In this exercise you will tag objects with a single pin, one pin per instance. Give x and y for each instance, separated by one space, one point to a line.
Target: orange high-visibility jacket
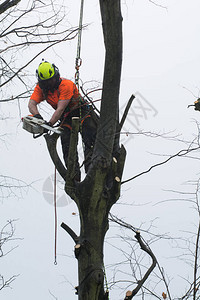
67 90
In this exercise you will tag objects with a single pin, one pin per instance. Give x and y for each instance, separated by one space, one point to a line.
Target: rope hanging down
55 218
78 61
78 55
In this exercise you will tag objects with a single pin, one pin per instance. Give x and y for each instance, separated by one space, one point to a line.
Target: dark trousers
88 130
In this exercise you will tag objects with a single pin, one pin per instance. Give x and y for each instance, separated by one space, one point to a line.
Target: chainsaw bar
38 126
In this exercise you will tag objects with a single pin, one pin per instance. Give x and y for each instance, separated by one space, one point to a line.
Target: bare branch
7 4
157 4
145 248
6 283
181 153
67 37
10 186
70 232
51 141
6 236
196 256
126 112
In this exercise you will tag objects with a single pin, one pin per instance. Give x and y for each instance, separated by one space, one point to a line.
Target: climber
63 95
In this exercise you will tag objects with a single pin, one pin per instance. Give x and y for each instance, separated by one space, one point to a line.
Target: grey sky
161 62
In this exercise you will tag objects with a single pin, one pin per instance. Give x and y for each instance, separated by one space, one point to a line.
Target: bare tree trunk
94 198
101 187
109 118
100 190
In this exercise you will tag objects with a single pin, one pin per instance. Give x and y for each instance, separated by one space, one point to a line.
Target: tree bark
100 189
109 117
94 198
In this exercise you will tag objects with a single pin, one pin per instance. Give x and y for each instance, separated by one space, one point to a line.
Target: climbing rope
55 219
78 61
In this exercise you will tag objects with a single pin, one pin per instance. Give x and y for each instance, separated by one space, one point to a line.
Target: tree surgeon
63 95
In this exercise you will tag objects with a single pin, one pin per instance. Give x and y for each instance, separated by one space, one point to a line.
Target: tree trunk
100 190
96 194
109 117
94 198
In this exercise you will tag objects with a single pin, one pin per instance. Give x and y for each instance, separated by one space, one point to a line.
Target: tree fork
100 189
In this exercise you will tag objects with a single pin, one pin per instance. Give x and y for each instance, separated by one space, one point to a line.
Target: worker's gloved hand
38 116
49 124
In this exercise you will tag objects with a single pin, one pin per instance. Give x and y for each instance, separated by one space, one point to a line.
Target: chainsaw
38 126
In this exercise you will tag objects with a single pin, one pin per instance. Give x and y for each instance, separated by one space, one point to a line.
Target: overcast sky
161 62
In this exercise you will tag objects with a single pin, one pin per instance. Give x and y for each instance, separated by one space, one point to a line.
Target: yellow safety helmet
45 71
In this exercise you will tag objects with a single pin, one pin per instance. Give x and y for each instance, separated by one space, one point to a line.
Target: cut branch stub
117 179
115 160
77 250
128 294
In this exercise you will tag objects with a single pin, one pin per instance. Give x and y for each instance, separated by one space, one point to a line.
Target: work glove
38 116
49 124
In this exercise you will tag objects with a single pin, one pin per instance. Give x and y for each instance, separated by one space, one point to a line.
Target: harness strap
67 125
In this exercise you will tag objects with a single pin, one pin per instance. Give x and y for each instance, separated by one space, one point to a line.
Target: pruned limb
70 232
121 161
51 141
77 250
144 247
126 112
7 4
